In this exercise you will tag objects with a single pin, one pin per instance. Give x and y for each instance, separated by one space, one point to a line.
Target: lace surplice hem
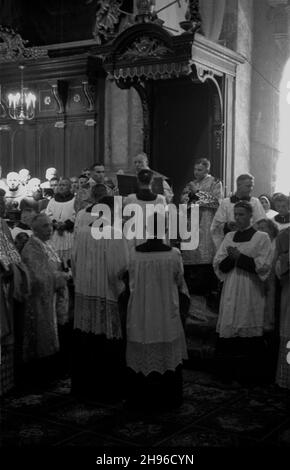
156 357
97 315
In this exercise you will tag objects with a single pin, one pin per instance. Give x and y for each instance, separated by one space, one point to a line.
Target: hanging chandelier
21 105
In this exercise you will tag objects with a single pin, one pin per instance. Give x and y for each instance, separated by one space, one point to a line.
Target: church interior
176 80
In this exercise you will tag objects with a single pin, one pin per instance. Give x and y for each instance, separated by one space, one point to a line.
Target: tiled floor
213 415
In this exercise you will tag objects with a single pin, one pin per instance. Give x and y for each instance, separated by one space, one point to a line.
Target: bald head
42 227
51 173
13 180
141 162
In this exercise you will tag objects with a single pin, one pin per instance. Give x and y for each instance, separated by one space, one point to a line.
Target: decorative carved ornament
148 51
89 95
107 17
12 47
192 17
155 72
145 47
204 74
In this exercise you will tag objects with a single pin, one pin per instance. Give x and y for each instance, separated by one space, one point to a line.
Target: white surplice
242 304
155 336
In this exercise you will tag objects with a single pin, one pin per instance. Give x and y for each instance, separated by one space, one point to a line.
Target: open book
128 184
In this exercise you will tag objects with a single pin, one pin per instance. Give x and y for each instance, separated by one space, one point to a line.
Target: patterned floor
214 415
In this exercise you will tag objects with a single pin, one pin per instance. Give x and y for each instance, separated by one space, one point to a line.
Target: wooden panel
50 148
58 135
24 148
5 151
79 147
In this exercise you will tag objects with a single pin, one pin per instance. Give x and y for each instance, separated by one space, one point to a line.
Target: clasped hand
233 252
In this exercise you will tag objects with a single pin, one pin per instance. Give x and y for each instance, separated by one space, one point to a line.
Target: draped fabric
97 268
212 16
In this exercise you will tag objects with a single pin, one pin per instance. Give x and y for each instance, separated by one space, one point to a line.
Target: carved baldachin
146 48
12 47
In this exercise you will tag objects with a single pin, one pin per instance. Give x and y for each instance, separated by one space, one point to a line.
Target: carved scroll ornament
145 47
12 47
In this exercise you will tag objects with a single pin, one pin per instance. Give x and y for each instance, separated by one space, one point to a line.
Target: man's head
98 191
86 172
243 212
51 173
64 186
98 172
269 227
83 181
33 185
74 184
20 240
141 162
54 184
201 168
281 204
13 181
27 216
24 176
245 185
145 178
42 227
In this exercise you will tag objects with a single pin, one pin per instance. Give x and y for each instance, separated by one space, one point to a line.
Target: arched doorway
187 123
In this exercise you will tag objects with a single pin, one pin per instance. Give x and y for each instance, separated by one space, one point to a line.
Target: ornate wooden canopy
148 51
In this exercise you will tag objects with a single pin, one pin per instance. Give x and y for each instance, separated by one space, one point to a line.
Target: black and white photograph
144 232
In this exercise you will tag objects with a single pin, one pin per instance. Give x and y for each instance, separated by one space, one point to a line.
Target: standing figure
74 184
98 177
98 266
156 345
15 192
24 176
3 183
243 262
282 271
49 175
61 212
9 258
143 199
265 200
281 203
141 163
41 340
224 220
206 191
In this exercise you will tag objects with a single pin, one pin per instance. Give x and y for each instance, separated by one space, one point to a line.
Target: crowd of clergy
112 312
